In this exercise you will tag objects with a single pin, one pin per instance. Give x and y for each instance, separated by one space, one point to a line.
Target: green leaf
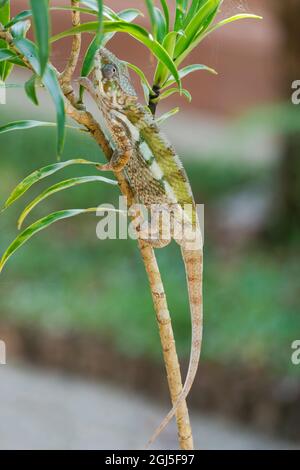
170 92
3 3
40 174
31 90
87 11
189 69
40 15
140 73
166 13
144 82
161 25
134 30
151 11
24 15
128 15
21 125
92 49
161 72
206 31
90 4
4 12
5 66
36 227
242 16
10 56
28 49
51 83
6 54
181 9
19 30
167 115
198 24
193 9
62 185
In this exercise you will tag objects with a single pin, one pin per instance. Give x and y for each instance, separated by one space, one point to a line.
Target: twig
66 77
168 344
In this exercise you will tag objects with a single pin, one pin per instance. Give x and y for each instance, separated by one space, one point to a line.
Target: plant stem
168 344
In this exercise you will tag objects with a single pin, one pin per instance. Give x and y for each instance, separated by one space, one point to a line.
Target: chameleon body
157 179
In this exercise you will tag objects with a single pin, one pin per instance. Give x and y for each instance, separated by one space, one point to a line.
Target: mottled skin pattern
156 176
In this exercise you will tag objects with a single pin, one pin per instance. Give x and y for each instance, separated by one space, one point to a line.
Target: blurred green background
67 279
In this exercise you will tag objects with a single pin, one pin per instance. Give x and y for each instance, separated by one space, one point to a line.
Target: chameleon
157 179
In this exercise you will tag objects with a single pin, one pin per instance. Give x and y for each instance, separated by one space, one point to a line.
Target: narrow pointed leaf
62 185
134 30
6 54
19 30
21 125
128 15
198 24
31 90
161 25
24 15
166 13
151 12
93 47
36 227
28 49
140 73
90 4
170 92
193 9
206 31
40 174
162 72
189 69
40 15
5 66
167 115
242 16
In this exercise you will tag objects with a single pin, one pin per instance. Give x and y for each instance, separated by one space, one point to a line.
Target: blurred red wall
246 55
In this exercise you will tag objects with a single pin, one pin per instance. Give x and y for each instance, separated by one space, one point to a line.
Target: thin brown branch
168 344
67 74
9 39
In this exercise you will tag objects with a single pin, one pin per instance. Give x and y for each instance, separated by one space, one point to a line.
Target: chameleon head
111 76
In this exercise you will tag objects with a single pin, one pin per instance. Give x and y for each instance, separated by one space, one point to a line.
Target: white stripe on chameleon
132 129
156 170
146 151
169 191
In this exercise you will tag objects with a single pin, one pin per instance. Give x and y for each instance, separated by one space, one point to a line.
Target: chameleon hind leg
156 233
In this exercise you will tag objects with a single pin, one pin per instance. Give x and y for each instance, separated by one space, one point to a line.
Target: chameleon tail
193 260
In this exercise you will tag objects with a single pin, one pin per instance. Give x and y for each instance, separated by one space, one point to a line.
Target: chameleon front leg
124 146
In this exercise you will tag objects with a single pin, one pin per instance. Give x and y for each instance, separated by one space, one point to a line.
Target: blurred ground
43 410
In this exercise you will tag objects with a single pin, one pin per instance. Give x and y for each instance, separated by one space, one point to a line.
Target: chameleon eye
109 71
